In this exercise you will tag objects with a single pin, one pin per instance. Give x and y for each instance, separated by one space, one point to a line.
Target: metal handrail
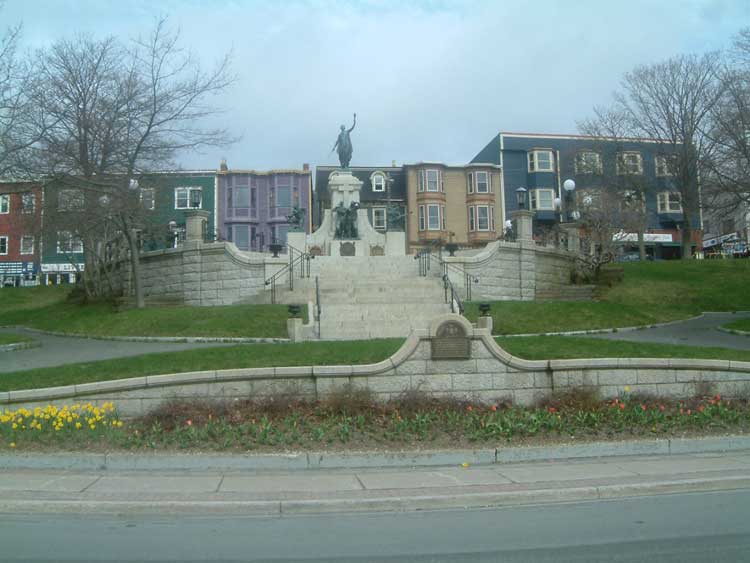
469 279
303 259
423 256
317 304
455 300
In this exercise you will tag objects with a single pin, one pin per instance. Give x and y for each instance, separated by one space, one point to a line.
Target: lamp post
521 197
569 186
571 226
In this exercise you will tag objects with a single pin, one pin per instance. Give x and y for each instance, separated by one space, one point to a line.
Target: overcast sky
429 80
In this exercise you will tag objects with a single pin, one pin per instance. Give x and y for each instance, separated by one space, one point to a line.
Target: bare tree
120 111
727 175
672 102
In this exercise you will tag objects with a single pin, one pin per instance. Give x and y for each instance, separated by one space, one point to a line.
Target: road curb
123 461
20 346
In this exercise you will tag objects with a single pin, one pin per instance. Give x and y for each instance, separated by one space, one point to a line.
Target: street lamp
521 197
570 185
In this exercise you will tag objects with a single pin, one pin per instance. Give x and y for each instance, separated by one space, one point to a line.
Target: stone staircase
369 297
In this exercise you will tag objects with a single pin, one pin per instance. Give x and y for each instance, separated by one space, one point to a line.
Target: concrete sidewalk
377 489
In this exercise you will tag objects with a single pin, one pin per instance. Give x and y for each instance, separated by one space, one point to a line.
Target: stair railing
296 257
469 279
317 304
451 296
425 254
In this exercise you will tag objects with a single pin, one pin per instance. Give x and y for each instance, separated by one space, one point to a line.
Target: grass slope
13 339
651 292
46 308
741 324
244 356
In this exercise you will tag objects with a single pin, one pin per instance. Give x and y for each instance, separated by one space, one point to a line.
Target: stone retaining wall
513 270
489 374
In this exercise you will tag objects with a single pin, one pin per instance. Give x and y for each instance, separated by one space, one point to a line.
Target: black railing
423 257
451 296
447 267
296 258
317 304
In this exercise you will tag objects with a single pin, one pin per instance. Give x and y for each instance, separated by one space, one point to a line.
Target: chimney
223 166
306 167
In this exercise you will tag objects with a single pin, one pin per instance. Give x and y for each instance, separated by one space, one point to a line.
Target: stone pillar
523 220
195 225
572 232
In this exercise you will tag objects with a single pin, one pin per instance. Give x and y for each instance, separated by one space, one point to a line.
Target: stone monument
346 221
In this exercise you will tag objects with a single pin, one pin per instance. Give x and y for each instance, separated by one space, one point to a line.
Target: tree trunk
135 268
641 245
687 236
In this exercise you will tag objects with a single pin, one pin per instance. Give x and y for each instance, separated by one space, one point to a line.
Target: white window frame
422 218
384 224
479 218
535 199
74 242
584 166
188 191
4 204
153 197
472 219
427 180
429 217
21 247
661 165
623 166
24 199
6 241
470 183
442 218
664 204
378 179
533 160
487 184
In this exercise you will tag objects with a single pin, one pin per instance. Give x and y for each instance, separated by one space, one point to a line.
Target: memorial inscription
451 342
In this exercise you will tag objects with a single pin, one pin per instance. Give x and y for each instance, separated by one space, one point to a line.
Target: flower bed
353 420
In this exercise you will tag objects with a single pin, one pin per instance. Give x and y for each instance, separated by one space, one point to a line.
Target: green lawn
243 356
571 347
741 324
46 308
651 292
13 339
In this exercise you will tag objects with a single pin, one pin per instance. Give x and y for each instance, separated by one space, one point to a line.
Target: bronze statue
296 219
344 144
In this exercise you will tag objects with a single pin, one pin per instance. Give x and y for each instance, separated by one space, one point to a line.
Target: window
433 180
241 237
68 243
629 163
543 199
470 183
70 200
4 203
472 225
378 182
665 165
188 198
378 218
27 244
483 218
283 196
588 162
28 202
540 161
442 217
3 245
670 202
632 200
482 182
433 217
421 218
147 198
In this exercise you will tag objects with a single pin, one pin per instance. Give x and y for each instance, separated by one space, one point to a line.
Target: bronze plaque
347 249
377 250
315 251
451 342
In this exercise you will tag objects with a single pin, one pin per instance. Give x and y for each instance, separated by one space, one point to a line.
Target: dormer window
588 162
378 182
540 161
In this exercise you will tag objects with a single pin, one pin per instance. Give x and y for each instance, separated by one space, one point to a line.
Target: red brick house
20 228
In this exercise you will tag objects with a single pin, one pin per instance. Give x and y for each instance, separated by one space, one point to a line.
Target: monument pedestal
344 188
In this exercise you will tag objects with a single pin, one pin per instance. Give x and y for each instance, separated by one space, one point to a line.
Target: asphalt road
59 350
702 331
688 527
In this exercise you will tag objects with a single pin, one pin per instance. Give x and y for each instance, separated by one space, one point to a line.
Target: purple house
254 205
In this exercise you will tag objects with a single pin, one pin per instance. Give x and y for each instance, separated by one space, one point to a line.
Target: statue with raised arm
344 144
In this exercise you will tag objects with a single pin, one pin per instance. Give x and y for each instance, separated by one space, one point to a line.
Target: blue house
541 164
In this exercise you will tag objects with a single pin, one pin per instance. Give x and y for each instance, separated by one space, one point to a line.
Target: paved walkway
312 491
60 350
702 331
